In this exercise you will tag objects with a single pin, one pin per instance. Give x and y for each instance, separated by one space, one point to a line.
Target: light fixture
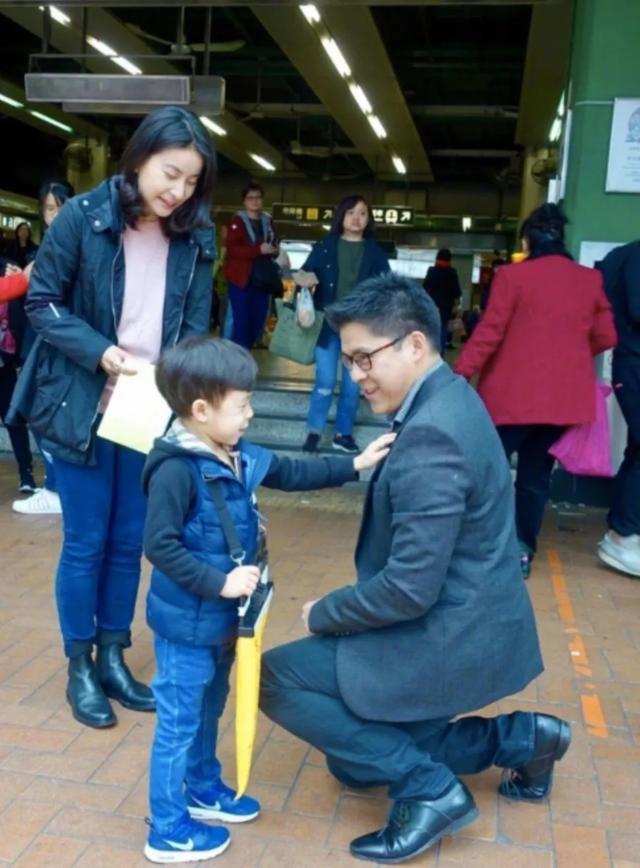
556 130
262 162
51 121
57 15
399 166
361 98
125 64
337 57
12 102
467 223
101 46
310 12
212 126
561 105
326 227
376 124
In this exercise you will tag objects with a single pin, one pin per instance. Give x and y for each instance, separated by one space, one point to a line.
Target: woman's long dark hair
544 231
347 204
169 127
59 188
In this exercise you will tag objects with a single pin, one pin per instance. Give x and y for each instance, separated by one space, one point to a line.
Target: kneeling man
439 622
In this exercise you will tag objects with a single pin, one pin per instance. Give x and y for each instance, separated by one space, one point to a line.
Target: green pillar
605 64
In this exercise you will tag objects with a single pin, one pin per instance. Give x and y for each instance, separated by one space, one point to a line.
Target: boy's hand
306 612
241 582
374 453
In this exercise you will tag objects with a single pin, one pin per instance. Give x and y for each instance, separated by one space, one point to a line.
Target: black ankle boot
89 705
118 682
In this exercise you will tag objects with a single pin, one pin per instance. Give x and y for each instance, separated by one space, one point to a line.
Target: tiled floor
74 796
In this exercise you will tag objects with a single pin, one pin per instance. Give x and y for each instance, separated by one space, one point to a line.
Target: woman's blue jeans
327 359
103 512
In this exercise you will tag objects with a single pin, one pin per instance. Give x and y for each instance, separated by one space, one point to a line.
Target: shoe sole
611 561
168 857
562 746
210 814
128 704
470 817
339 448
87 722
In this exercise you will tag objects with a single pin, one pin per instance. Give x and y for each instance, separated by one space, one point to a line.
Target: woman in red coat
533 349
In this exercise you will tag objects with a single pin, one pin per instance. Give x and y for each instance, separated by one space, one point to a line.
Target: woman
45 501
124 271
249 267
533 348
335 265
22 249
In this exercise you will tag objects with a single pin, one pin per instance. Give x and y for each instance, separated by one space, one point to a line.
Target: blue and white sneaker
190 842
220 803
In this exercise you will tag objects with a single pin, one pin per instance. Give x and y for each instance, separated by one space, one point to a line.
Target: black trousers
420 759
533 478
18 434
624 516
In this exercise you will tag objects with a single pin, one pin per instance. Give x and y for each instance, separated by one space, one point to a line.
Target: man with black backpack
620 547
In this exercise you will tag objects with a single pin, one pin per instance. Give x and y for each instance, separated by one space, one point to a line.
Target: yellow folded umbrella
253 619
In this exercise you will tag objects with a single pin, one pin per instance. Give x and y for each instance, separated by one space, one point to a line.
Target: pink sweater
146 249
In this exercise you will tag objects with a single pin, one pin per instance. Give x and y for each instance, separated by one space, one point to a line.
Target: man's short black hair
252 187
203 367
389 305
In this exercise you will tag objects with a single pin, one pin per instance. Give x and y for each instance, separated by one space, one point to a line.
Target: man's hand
241 582
306 611
10 269
115 361
374 453
268 249
306 279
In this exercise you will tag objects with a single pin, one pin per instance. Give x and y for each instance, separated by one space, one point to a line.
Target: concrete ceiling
241 140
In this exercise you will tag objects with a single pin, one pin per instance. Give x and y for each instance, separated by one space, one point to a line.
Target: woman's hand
27 271
115 361
306 279
268 249
374 453
10 269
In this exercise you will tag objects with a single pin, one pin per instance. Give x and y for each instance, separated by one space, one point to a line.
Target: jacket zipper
85 445
184 300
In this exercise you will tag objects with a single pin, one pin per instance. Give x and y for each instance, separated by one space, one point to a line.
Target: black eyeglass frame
364 360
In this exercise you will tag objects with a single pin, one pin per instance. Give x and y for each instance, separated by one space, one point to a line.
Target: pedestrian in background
442 284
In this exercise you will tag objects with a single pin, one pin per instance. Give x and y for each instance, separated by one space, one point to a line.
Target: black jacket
440 619
444 288
74 303
621 272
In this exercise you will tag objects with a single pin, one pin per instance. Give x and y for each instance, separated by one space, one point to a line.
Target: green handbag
290 340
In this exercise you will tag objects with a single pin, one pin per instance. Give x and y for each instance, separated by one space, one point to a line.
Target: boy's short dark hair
252 187
389 305
203 367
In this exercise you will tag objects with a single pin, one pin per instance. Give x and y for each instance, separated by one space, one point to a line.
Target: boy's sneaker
43 502
190 842
311 443
27 483
220 803
623 555
345 443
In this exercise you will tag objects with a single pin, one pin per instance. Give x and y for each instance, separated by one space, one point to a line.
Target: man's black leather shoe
532 781
118 682
89 705
414 825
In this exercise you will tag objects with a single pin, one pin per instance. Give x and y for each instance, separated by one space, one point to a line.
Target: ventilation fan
188 48
78 157
544 169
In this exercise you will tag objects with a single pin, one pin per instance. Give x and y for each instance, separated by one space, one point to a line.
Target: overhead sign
385 215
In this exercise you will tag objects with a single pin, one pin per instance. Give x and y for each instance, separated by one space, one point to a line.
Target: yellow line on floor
591 705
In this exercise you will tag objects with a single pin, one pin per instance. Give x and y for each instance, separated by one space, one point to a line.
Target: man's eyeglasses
365 360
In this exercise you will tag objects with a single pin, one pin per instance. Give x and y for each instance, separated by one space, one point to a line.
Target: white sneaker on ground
623 555
43 502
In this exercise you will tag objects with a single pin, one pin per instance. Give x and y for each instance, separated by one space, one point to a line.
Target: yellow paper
137 413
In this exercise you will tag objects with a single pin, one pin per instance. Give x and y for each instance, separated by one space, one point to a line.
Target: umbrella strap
238 554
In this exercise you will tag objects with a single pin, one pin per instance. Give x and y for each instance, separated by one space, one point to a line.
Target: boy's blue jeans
190 687
327 359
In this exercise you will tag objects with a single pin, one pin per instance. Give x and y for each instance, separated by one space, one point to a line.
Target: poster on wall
623 170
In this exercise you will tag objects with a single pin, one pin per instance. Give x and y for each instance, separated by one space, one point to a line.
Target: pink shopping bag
585 450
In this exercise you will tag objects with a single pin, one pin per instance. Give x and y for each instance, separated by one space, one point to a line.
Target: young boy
193 598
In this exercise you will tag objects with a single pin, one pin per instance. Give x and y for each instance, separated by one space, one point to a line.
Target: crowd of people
420 636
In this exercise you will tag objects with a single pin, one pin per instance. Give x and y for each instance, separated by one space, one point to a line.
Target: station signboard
385 215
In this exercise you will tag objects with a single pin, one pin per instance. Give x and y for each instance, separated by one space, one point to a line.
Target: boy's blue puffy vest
175 613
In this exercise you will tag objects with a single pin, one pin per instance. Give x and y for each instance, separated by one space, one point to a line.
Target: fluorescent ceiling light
399 166
125 64
12 102
310 12
57 15
556 130
378 129
361 98
561 105
467 223
326 227
101 46
51 121
262 162
212 126
337 57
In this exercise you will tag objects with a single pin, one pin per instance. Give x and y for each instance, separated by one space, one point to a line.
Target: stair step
275 429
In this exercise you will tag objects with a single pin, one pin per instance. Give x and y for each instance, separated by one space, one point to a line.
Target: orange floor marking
591 705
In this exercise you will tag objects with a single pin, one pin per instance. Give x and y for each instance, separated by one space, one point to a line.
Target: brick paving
74 796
